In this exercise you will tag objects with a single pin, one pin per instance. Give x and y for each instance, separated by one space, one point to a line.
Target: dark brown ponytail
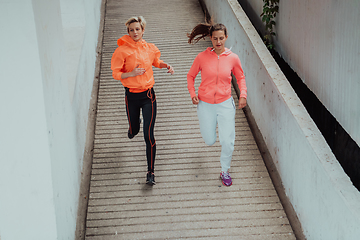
203 30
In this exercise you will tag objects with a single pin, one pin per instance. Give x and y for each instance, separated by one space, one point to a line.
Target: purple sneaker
226 179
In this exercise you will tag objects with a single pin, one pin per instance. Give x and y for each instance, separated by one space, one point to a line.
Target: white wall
319 39
26 192
326 202
46 77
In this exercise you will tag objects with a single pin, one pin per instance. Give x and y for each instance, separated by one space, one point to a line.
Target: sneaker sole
151 183
224 183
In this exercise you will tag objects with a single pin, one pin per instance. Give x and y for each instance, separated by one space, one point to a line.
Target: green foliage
270 9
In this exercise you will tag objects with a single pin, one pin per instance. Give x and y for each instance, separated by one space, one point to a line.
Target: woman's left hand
242 103
171 69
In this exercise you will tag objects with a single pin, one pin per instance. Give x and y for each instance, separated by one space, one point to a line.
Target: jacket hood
227 51
127 40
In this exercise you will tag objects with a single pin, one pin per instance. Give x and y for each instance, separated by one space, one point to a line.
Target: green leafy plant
270 9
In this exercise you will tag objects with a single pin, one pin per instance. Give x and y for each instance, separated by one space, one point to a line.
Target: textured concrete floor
188 200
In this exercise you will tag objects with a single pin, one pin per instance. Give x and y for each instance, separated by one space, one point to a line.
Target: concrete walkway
188 200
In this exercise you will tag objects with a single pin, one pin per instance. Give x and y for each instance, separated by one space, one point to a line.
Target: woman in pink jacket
215 105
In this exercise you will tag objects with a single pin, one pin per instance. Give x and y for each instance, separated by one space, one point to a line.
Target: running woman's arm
169 67
240 77
193 72
136 72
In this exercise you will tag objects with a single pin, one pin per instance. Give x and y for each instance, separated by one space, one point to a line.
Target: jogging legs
226 124
147 102
223 115
149 116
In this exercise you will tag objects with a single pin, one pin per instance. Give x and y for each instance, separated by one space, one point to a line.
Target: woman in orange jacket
132 63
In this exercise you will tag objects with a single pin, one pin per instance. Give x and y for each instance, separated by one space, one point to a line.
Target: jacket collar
226 52
127 40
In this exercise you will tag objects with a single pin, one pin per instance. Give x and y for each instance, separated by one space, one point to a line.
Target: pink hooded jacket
215 86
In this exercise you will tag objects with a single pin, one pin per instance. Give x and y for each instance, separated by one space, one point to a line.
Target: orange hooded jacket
131 54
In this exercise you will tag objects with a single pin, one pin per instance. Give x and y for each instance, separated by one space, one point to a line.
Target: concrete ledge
321 193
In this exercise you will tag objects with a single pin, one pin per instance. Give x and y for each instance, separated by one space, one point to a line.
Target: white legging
222 114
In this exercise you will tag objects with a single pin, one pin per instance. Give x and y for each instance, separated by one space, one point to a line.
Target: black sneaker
150 179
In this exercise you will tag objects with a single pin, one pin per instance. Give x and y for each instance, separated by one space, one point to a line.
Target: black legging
147 101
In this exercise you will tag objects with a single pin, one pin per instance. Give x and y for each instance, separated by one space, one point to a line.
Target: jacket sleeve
117 64
240 77
157 54
193 72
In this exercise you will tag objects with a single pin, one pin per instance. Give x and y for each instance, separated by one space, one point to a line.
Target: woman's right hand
138 71
195 100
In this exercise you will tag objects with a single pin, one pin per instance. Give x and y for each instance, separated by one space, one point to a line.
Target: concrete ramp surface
189 200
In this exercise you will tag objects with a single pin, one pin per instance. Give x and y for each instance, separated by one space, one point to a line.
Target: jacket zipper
217 78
